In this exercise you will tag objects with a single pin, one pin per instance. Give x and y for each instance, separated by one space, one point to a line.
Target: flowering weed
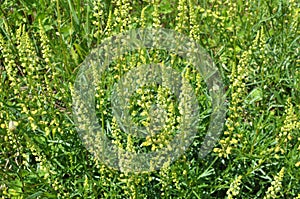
254 44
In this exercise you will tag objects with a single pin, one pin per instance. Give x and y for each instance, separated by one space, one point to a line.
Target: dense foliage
254 44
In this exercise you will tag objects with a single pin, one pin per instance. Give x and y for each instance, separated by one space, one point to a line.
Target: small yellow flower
234 188
2 126
276 185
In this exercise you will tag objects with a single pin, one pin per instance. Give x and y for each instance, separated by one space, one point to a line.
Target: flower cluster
143 18
9 63
159 122
182 19
288 132
165 179
27 55
234 188
98 15
238 92
276 185
122 15
155 14
194 25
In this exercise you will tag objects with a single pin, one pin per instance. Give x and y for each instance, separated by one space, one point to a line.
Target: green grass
254 44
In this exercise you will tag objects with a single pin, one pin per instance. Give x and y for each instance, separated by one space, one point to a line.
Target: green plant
254 44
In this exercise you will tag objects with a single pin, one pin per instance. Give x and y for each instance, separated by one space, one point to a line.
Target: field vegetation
254 45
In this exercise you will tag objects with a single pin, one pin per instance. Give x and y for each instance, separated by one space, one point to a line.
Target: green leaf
35 195
255 95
